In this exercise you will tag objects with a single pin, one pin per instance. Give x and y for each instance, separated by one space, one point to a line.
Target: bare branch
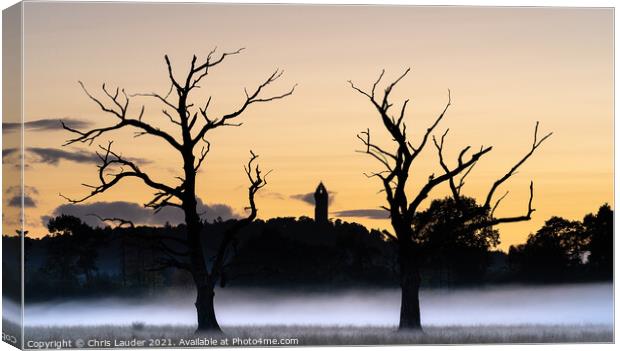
514 168
110 160
208 63
434 181
459 187
203 154
257 181
403 157
496 221
429 130
250 99
370 96
203 69
375 151
442 163
497 202
121 221
385 104
171 75
374 86
160 200
165 112
163 99
120 113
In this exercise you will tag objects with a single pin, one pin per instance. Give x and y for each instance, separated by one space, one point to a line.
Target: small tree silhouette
73 252
397 164
193 123
599 229
554 252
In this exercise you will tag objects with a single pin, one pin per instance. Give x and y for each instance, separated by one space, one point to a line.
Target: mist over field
10 310
577 304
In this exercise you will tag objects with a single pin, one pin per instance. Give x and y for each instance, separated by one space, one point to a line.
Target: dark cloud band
53 156
16 201
364 213
45 125
137 213
309 197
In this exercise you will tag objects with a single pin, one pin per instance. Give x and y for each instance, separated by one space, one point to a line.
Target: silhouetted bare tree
397 163
193 122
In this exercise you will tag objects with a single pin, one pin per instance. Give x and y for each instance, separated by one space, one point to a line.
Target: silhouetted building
321 199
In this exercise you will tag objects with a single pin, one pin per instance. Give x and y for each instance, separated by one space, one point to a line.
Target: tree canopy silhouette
289 253
73 251
193 120
599 229
555 248
452 247
397 163
563 249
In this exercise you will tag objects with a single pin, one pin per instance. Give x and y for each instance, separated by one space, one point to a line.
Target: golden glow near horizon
506 68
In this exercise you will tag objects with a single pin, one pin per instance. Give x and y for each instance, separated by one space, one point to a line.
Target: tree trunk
410 289
410 301
205 310
205 293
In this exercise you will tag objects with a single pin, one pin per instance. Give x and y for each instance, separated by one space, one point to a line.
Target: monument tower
321 199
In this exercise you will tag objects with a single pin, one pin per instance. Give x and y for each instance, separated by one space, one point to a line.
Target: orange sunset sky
506 68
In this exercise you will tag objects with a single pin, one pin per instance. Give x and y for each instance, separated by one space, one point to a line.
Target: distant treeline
564 250
78 260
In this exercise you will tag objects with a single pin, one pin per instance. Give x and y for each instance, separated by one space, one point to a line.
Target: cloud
6 153
213 211
364 213
271 195
15 196
52 156
10 156
28 189
137 213
309 197
16 201
46 124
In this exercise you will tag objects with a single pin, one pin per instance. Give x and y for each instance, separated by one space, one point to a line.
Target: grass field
177 335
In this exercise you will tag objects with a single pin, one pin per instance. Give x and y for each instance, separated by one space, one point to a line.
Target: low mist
512 304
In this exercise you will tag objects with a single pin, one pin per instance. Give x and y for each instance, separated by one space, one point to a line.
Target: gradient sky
506 67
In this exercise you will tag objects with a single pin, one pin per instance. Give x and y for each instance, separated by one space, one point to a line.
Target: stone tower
321 199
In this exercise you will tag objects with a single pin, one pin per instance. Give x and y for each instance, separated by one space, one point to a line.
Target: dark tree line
74 251
567 250
289 253
281 252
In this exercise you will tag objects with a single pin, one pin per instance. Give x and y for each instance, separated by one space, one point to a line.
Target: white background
592 3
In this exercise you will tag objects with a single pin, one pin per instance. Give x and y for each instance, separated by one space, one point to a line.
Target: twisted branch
257 182
250 99
110 160
119 110
398 164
